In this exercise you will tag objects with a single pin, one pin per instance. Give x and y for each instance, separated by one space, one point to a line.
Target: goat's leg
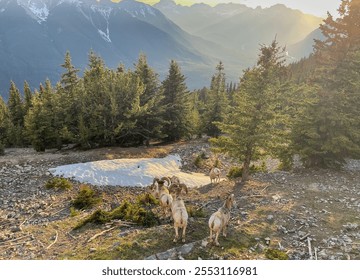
176 234
211 235
224 231
183 233
216 238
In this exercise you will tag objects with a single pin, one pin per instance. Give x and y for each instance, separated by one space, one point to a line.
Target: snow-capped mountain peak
137 9
38 9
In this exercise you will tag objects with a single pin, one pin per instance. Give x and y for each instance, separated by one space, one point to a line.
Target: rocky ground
304 213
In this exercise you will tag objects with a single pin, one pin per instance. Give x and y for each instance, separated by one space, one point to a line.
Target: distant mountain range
35 34
242 29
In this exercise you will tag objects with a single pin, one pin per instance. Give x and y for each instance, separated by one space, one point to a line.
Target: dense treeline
108 107
309 108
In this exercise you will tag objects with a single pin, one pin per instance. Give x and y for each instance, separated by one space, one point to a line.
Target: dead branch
264 189
57 212
100 233
72 236
16 244
315 252
56 238
304 237
27 219
15 239
309 245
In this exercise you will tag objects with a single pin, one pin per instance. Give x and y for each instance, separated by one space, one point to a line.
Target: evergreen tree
177 105
42 122
329 131
4 124
69 78
96 100
217 102
16 110
150 123
70 94
28 95
254 127
28 104
126 108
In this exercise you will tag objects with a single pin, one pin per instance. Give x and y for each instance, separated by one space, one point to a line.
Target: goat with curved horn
220 219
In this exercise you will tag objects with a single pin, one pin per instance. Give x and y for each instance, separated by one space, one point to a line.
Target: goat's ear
156 180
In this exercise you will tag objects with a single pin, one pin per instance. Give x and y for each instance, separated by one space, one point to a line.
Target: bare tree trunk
246 165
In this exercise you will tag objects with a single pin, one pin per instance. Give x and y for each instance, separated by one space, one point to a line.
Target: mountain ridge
35 35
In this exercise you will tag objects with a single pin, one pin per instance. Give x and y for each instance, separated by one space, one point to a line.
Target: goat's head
166 180
175 180
178 189
230 201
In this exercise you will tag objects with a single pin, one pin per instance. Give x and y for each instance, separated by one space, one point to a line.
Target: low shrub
274 254
236 171
198 162
86 198
58 183
137 212
147 199
195 212
73 212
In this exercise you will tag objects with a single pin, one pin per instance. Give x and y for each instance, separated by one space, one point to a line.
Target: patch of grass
198 162
58 183
73 212
138 245
86 198
274 254
236 171
195 212
147 199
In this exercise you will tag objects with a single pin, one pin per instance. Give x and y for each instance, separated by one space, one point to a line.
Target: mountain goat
215 175
178 210
220 219
160 191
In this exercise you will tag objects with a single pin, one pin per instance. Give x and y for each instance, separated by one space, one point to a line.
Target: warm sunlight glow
318 7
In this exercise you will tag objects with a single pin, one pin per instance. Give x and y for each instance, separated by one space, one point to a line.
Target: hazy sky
315 7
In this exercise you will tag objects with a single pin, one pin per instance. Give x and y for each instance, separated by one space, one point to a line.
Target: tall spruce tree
96 100
217 102
28 95
42 122
70 94
150 123
329 131
4 124
16 110
177 105
254 128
